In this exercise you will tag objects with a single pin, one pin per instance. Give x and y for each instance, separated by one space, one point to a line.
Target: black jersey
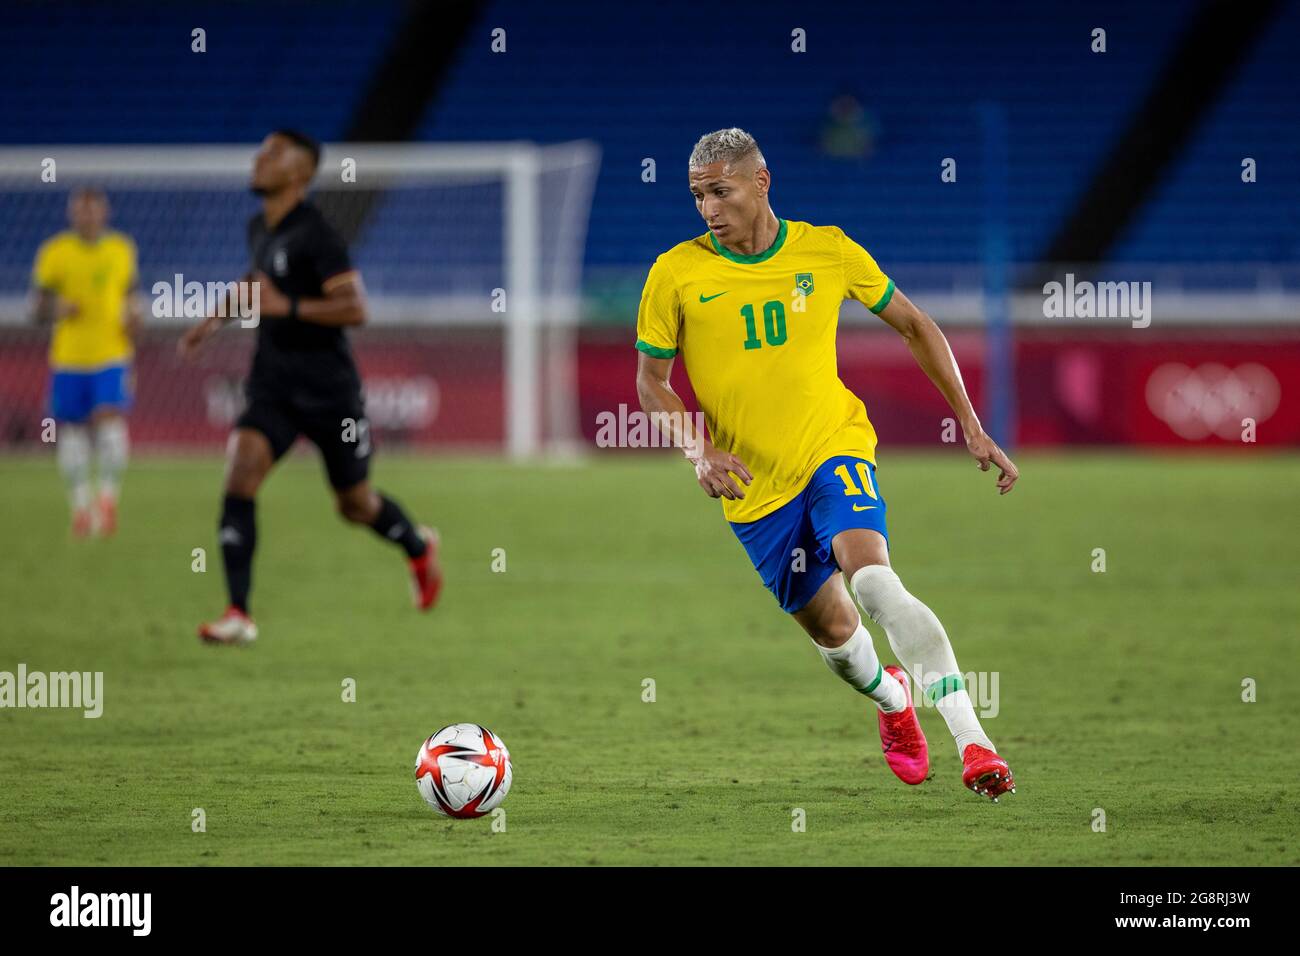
295 357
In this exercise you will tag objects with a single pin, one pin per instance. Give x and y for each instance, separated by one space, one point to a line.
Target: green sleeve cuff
884 299
653 350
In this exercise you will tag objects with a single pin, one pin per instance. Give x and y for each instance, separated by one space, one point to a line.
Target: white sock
959 714
922 646
112 448
72 449
856 662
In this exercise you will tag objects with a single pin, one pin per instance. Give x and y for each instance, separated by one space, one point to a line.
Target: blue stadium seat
646 81
125 72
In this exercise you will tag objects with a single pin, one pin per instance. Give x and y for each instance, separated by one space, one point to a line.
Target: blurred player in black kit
303 380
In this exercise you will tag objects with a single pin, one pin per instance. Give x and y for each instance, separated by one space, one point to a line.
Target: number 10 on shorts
864 476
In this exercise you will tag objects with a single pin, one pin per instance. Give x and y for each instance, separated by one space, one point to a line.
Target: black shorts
339 429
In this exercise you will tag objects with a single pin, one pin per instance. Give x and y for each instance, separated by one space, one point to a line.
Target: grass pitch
1118 692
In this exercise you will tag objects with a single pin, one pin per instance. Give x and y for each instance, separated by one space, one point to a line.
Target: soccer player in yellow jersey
84 283
752 306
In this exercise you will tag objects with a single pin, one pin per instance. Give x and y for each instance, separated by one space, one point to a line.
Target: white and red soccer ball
463 771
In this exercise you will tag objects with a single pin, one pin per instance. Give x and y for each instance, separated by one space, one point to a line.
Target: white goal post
446 234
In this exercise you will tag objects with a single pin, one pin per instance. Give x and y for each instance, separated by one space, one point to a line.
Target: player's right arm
713 466
194 337
46 305
658 327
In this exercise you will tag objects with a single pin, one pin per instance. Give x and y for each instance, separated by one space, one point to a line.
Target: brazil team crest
803 282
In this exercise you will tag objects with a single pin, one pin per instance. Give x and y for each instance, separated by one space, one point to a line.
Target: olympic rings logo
1211 399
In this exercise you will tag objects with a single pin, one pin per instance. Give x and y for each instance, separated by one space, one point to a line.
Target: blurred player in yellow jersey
84 283
752 307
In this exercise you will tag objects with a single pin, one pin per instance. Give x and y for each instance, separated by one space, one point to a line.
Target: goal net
471 255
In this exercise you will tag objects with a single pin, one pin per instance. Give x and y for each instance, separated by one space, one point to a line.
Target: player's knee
243 481
832 633
832 628
248 461
358 509
879 591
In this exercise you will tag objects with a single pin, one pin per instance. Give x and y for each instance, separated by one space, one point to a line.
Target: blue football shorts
791 547
75 394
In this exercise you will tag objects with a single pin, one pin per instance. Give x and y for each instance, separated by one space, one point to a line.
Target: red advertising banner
1073 386
426 387
1214 389
444 387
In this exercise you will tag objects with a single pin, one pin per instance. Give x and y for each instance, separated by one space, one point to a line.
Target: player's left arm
133 312
344 299
133 306
344 302
930 349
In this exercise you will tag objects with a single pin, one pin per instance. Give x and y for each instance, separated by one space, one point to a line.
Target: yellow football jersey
757 334
96 277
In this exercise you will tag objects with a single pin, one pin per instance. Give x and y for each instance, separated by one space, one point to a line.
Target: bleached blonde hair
730 146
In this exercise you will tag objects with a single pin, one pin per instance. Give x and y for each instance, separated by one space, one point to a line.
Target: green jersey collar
763 256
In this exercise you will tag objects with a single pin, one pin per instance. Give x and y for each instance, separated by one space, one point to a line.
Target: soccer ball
463 771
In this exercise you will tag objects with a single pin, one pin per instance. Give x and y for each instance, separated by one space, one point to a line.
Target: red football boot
234 627
985 772
901 739
83 523
106 515
426 572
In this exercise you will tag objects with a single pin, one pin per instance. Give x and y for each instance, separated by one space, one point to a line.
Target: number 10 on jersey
773 324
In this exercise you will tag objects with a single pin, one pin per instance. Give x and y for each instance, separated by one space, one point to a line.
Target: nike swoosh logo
863 507
704 298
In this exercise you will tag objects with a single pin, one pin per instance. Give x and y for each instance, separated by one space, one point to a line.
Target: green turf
1119 691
